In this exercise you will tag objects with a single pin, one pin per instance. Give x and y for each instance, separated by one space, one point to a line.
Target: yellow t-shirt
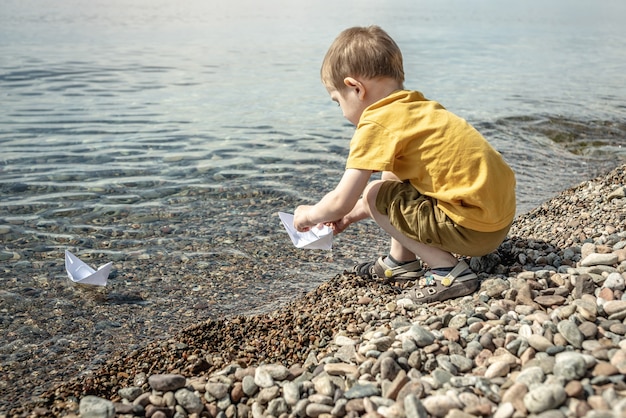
442 156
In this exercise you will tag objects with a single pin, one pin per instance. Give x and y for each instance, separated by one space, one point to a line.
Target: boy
443 188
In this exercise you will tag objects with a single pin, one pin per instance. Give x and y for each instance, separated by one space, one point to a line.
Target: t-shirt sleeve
371 148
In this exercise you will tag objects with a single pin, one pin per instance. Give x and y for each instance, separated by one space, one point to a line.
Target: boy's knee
370 193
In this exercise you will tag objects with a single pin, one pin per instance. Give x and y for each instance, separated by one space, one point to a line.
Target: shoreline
345 314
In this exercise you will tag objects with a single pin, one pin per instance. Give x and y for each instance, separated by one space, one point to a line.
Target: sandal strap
449 278
408 271
412 270
379 270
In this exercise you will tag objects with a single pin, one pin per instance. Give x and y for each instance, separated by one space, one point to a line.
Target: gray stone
276 407
189 400
495 287
262 378
444 363
571 333
458 321
265 375
421 336
248 385
276 371
94 407
462 363
217 389
614 281
531 376
130 393
166 382
409 345
291 392
595 259
544 397
545 363
362 390
464 381
570 365
414 408
440 377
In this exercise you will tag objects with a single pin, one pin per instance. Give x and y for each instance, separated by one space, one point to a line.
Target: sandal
378 270
461 281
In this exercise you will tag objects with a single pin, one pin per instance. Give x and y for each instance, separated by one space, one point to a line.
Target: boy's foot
433 287
379 270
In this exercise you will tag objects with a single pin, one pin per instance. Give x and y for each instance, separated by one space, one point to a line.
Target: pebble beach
542 337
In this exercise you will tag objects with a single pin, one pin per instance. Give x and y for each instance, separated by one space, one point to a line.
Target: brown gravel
286 335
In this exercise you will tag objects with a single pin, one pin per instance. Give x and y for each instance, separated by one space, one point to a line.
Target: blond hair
362 52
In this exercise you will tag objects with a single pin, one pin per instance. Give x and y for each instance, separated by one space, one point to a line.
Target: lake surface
165 136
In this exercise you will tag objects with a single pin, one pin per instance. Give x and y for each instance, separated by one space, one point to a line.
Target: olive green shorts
418 217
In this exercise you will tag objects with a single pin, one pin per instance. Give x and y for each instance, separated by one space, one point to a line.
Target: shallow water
165 136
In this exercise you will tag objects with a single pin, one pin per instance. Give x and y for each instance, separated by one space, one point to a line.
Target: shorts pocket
427 223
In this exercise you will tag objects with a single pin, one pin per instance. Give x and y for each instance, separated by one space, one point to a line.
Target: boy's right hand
300 219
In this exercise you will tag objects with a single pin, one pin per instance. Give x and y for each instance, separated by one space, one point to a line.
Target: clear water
117 110
168 131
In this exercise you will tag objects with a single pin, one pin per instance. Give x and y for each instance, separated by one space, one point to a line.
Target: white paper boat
314 239
80 272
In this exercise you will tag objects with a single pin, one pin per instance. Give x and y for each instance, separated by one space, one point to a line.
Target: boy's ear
356 85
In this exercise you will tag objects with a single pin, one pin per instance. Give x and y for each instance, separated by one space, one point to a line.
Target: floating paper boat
79 272
314 239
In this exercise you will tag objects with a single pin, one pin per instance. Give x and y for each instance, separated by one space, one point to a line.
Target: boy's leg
402 247
396 250
400 253
448 277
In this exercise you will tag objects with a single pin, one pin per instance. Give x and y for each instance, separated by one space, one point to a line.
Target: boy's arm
336 204
360 211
